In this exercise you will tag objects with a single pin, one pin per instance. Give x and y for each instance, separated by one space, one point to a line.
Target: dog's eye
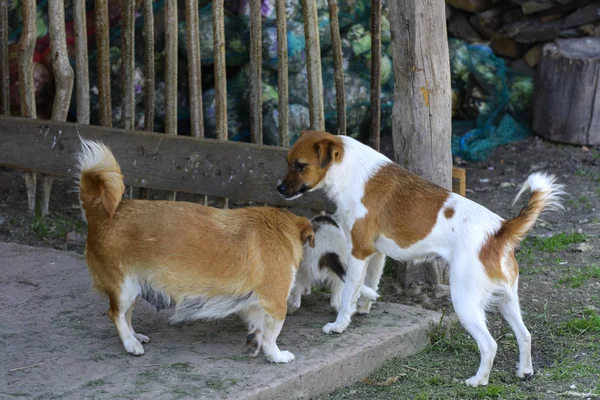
299 166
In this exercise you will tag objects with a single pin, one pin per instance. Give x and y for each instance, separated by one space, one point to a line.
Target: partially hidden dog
324 265
205 262
386 210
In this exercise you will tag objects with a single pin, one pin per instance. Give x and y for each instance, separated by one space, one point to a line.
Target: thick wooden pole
422 115
103 44
313 66
282 73
374 138
336 49
171 72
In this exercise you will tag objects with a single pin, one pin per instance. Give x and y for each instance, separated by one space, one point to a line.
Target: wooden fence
194 165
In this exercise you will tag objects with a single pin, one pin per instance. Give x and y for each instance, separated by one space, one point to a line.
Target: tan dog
205 262
386 210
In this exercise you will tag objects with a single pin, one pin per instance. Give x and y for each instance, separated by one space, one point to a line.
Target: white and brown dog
205 262
324 265
387 210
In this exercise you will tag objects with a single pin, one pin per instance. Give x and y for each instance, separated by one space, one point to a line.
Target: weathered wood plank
171 70
240 171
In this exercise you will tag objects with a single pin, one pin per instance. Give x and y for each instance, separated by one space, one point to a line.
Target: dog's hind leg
138 336
254 317
469 300
511 311
120 305
372 278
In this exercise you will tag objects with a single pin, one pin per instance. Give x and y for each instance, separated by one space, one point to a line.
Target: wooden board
240 171
459 181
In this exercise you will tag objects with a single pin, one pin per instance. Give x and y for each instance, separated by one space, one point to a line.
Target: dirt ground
560 282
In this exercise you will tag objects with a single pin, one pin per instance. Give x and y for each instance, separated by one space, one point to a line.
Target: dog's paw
133 346
525 373
142 338
474 381
363 308
283 357
334 327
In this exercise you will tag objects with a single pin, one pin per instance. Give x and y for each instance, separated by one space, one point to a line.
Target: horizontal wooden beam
239 171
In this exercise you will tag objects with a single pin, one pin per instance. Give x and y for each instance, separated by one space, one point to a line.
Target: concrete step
54 323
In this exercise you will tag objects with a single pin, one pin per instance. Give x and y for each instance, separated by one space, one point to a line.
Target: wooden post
282 73
127 63
103 44
4 75
374 138
567 92
256 128
313 66
171 72
81 62
144 193
63 78
338 68
421 119
27 85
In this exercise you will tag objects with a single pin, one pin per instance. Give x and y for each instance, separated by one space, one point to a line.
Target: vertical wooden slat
144 193
127 63
282 73
220 72
149 66
4 76
194 67
26 83
340 91
313 65
256 133
81 62
171 71
374 137
63 78
192 24
103 44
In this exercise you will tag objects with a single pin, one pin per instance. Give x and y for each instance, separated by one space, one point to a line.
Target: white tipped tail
100 181
546 194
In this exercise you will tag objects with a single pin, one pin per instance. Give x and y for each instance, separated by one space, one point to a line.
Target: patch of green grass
220 383
181 366
97 382
552 244
577 279
567 370
50 227
588 323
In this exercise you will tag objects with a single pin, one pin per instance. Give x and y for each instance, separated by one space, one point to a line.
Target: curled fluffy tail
545 195
100 181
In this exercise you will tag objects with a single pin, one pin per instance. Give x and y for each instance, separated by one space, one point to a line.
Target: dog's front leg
355 276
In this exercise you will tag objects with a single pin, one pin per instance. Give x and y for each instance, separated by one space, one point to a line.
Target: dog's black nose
282 188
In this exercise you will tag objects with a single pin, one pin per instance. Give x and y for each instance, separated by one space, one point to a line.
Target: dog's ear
327 151
307 232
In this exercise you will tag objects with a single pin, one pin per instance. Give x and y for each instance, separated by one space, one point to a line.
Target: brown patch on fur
508 237
449 212
310 158
401 205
